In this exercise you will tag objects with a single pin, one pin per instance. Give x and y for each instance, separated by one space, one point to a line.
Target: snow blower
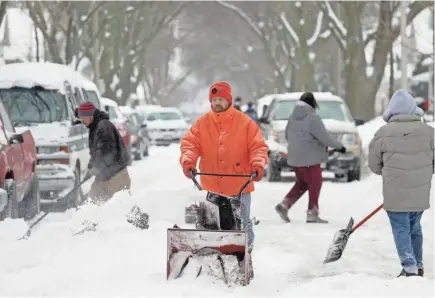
342 236
218 245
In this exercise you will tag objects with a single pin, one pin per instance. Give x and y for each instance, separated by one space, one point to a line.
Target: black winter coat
108 153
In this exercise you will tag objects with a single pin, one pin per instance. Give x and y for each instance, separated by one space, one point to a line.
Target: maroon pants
307 178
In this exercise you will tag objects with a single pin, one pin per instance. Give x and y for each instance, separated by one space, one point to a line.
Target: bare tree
363 76
126 40
288 31
61 23
3 7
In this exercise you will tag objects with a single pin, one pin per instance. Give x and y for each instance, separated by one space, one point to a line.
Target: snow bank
120 260
368 130
12 229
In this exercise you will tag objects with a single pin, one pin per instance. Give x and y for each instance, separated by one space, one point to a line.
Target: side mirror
76 112
263 120
76 122
144 125
16 139
106 108
359 122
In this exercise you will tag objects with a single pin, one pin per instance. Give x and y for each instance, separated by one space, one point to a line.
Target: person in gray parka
402 151
308 142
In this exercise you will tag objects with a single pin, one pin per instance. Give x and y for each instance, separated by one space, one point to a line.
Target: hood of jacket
98 116
301 110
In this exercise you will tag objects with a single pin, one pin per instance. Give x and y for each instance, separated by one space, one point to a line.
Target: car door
78 132
15 154
265 122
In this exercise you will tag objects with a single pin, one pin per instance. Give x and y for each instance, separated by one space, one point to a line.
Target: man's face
86 120
219 104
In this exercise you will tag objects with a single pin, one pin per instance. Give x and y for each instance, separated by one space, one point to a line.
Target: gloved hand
342 150
187 168
259 171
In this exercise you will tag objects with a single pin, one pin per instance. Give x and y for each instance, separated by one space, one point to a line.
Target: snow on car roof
109 102
319 96
50 76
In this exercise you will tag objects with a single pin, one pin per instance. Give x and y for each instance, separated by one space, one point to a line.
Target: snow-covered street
121 260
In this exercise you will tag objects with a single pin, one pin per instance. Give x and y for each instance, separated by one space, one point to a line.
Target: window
115 113
77 96
328 109
163 116
5 119
35 105
112 113
93 97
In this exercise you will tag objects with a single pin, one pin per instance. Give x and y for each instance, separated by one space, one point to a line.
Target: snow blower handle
192 176
250 176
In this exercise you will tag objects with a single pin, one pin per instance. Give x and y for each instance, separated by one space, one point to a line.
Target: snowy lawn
121 260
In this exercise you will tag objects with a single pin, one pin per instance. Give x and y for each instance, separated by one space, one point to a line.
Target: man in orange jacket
227 142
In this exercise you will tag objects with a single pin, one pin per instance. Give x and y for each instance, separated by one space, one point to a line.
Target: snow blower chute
218 245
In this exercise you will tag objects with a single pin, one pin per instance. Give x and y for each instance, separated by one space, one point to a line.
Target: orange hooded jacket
227 143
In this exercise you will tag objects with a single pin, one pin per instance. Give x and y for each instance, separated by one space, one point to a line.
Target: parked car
19 185
338 121
140 139
42 98
166 126
120 122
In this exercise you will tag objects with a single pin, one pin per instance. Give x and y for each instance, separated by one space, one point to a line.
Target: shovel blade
339 243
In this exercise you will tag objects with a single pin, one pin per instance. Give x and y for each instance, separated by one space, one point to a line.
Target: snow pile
12 229
368 130
118 259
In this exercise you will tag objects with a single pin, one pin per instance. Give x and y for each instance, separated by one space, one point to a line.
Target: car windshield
328 109
115 114
163 116
36 105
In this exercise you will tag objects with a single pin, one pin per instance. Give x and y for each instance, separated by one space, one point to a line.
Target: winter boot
282 212
421 272
313 216
404 273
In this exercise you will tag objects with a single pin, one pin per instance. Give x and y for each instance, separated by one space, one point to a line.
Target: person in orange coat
227 142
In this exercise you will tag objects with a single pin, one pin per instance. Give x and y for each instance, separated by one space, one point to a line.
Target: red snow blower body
219 236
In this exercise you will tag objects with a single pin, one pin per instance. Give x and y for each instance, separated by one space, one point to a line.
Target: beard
218 108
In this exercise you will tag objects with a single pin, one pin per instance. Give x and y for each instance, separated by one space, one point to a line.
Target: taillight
426 105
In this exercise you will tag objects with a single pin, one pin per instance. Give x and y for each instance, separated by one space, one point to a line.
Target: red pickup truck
19 185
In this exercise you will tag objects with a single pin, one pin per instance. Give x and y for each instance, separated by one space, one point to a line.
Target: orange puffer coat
227 143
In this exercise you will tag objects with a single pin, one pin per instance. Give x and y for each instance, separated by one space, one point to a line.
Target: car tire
354 175
273 175
31 204
11 210
130 159
138 154
147 150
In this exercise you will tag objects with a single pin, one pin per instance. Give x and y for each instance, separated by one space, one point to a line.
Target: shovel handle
367 217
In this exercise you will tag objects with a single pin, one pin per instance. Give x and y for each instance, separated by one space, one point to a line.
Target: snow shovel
342 236
58 200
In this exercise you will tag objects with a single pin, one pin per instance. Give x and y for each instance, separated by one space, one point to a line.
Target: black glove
342 150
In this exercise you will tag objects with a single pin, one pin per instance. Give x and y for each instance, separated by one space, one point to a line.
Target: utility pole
404 44
96 51
339 57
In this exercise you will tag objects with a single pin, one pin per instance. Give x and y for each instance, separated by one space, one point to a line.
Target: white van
42 97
